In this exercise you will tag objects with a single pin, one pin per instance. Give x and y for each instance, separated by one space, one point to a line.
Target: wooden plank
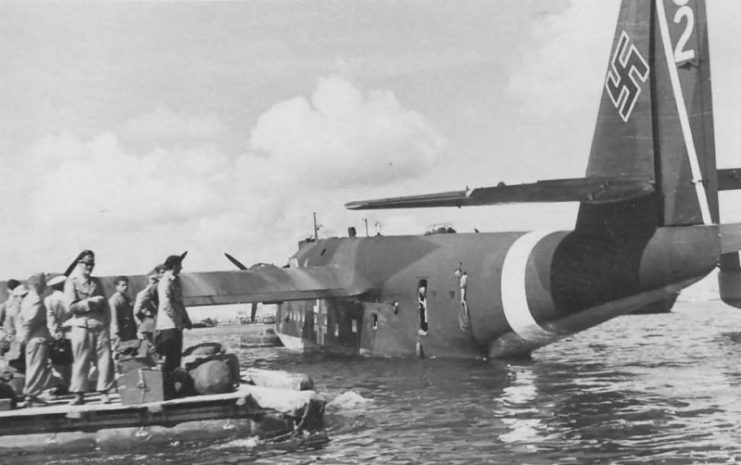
247 402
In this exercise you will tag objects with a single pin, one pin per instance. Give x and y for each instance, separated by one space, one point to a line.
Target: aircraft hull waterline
523 289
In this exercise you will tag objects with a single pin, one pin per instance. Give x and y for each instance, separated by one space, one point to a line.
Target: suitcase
134 354
140 386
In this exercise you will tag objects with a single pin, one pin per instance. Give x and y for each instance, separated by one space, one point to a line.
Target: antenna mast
316 228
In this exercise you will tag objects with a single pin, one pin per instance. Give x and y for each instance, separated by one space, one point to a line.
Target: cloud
313 154
99 181
134 206
561 69
344 136
164 123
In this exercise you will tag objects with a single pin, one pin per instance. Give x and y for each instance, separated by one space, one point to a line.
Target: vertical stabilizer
655 118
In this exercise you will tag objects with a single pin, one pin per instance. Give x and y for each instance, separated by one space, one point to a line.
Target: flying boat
647 227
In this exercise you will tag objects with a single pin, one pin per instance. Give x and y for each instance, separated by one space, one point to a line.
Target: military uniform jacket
122 317
171 313
33 317
86 314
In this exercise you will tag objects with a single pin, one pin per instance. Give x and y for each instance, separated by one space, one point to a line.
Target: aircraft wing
268 283
591 190
271 284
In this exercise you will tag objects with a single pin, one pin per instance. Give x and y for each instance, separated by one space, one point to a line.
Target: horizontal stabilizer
270 284
590 190
730 237
729 179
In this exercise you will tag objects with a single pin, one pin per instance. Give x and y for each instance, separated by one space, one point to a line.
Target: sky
142 129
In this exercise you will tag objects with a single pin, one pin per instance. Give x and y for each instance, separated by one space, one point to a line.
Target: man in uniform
14 330
89 331
123 326
56 316
172 317
6 308
145 306
36 337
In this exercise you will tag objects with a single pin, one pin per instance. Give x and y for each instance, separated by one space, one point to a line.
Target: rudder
655 117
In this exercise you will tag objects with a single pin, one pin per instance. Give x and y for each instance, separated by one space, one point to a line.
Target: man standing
36 336
12 321
123 326
6 308
10 286
145 306
172 317
89 329
56 315
13 328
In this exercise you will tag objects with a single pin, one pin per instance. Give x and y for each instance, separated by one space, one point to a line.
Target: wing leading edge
268 283
590 190
271 284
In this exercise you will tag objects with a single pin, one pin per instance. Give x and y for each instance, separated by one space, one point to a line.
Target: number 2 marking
680 53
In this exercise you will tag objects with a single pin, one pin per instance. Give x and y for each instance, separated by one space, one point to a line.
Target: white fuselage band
514 288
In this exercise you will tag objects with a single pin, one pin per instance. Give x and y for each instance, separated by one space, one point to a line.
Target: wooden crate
140 386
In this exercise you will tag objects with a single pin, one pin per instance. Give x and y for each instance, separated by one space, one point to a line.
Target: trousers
169 344
91 345
38 373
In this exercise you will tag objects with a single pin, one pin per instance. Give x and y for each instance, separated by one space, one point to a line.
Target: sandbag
212 377
278 379
210 368
216 374
205 348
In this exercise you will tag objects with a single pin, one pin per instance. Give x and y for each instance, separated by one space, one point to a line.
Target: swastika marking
628 70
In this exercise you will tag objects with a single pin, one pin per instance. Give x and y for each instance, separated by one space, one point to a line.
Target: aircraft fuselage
522 289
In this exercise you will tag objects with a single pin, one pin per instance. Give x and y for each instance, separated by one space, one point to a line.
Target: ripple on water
636 390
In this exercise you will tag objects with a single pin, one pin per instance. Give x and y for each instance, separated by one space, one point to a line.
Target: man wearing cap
36 336
56 316
145 306
172 317
89 333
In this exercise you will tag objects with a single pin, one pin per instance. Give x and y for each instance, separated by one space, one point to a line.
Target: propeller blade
236 262
70 268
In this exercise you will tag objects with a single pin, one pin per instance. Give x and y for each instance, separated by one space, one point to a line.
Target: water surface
638 389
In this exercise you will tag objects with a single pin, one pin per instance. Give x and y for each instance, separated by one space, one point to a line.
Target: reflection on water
639 389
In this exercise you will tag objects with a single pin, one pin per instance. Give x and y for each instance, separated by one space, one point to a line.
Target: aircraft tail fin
656 118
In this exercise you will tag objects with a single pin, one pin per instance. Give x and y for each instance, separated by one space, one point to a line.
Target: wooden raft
251 410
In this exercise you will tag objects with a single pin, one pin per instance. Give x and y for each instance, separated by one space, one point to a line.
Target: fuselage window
374 320
422 306
354 325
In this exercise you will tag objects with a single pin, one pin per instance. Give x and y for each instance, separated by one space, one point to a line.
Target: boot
79 399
